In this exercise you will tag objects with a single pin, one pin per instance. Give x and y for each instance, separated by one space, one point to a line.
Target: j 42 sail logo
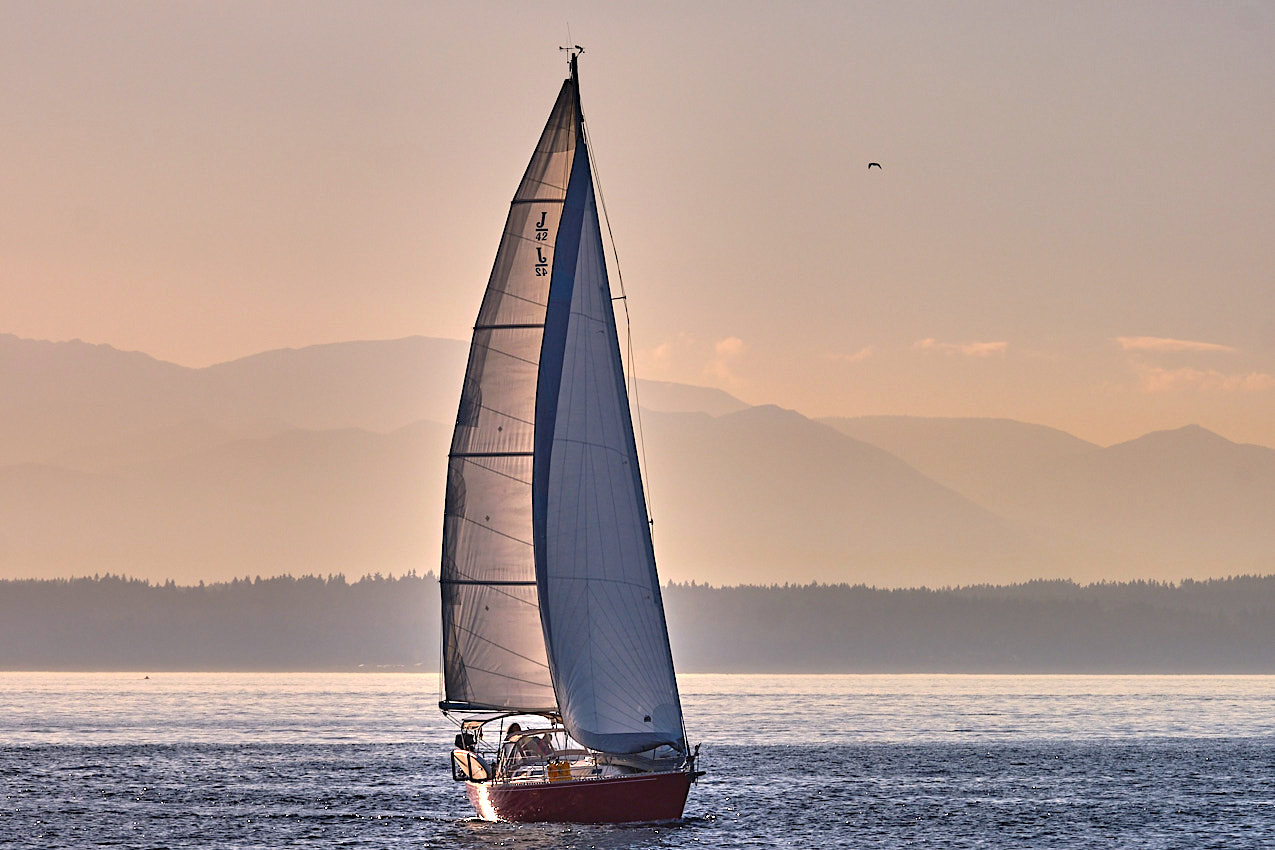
542 235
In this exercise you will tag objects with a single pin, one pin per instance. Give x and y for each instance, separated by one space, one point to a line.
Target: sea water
361 760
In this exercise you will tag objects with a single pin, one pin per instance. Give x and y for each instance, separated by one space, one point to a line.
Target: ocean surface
360 760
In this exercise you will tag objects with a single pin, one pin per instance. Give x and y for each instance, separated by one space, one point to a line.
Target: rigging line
636 403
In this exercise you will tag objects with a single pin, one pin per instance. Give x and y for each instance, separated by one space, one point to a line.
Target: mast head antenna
574 51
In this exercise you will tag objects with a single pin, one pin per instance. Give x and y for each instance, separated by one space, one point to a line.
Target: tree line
386 622
280 623
1223 625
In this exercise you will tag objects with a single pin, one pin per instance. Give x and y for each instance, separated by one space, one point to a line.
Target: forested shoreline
379 622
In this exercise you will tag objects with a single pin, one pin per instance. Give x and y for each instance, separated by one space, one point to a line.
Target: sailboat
556 660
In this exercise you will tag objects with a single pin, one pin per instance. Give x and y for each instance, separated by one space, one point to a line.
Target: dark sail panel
493 643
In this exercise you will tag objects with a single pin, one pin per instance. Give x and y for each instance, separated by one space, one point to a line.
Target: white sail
493 644
599 593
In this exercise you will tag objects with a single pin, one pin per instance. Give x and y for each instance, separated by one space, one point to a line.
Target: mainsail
493 644
559 486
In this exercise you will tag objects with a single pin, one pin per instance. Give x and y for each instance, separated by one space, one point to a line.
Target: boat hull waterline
617 799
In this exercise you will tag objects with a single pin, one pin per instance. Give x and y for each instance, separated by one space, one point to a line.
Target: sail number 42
542 235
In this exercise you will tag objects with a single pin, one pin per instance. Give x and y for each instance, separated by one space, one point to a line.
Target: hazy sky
1073 222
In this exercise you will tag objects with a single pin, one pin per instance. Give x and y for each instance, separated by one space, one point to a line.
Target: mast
573 53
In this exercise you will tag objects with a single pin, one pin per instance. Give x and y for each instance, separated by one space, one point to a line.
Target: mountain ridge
332 458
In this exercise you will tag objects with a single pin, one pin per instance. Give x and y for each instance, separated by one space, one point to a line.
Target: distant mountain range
1170 504
331 459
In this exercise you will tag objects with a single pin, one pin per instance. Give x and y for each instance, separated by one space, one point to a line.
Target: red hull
618 799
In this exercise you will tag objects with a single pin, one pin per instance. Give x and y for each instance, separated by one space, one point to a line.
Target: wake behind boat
551 603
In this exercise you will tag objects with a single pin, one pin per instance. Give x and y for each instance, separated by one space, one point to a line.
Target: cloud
725 353
690 359
731 346
672 359
1156 380
1156 343
662 354
857 357
965 349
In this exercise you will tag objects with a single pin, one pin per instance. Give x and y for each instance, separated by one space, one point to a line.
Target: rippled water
219 760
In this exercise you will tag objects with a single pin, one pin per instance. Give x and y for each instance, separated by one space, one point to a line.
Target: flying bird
877 164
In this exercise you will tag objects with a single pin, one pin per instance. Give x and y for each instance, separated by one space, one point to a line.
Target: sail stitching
522 237
506 414
528 361
478 524
463 455
476 582
470 579
505 293
536 181
502 648
495 471
507 676
495 589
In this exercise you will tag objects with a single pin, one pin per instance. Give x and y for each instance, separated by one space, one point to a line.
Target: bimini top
476 721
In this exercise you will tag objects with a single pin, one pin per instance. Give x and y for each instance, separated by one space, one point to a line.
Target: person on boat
515 749
541 747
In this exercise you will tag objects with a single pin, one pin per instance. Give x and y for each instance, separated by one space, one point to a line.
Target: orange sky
1071 226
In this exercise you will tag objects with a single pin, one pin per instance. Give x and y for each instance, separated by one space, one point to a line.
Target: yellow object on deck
558 771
